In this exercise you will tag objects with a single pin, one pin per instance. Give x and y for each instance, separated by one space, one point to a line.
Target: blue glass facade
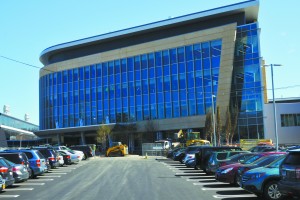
170 83
247 87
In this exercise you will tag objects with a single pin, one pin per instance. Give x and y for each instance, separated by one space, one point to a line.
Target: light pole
274 105
213 116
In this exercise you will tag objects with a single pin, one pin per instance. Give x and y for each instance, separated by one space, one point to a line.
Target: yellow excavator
117 149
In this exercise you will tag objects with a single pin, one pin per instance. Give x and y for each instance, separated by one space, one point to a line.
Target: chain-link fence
153 149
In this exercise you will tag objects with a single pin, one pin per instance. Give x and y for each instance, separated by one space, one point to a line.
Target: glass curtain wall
247 90
171 83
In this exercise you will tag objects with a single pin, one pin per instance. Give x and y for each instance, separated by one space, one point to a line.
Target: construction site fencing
153 149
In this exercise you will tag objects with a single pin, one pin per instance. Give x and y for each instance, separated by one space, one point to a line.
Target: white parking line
18 189
200 179
46 176
182 173
233 196
53 171
34 180
58 173
179 168
193 177
223 189
210 183
29 184
9 196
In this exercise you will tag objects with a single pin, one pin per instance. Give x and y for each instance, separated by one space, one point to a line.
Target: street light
214 123
274 106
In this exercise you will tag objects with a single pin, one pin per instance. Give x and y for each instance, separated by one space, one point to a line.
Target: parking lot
206 183
19 190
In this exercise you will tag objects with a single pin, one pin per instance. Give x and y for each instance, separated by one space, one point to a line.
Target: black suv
204 153
86 149
290 174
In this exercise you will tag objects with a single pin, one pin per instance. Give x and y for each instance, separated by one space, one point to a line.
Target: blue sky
29 27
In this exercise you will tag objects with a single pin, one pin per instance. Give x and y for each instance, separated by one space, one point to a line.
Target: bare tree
234 121
103 134
219 126
208 126
227 127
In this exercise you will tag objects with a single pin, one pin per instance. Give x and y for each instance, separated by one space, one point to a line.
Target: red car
228 173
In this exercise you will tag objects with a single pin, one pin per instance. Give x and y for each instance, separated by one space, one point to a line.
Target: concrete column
82 138
58 139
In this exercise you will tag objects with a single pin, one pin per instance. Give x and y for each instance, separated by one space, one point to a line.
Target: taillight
51 158
22 163
68 157
15 169
38 162
78 156
3 170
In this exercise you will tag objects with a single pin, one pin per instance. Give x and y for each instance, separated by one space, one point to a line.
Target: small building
288 120
13 131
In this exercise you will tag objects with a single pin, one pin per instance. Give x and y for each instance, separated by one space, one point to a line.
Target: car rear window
29 155
293 159
39 154
12 157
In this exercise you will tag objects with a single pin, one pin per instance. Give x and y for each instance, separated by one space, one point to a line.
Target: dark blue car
263 181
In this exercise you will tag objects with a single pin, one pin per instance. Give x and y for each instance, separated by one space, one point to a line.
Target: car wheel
271 191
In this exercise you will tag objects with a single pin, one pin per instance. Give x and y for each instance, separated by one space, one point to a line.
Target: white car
74 157
60 159
79 153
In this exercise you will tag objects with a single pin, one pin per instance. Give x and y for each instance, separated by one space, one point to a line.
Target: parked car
86 149
37 161
235 159
262 148
61 160
20 173
228 173
190 153
66 158
190 163
179 155
263 181
171 153
290 174
6 172
49 153
265 160
203 155
18 158
74 157
77 152
215 158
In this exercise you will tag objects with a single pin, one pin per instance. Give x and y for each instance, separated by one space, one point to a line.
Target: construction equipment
117 149
192 138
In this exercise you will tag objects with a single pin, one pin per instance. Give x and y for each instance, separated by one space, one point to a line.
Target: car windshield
277 162
266 160
251 159
235 157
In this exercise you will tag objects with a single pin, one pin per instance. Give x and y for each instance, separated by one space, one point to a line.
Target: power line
20 62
